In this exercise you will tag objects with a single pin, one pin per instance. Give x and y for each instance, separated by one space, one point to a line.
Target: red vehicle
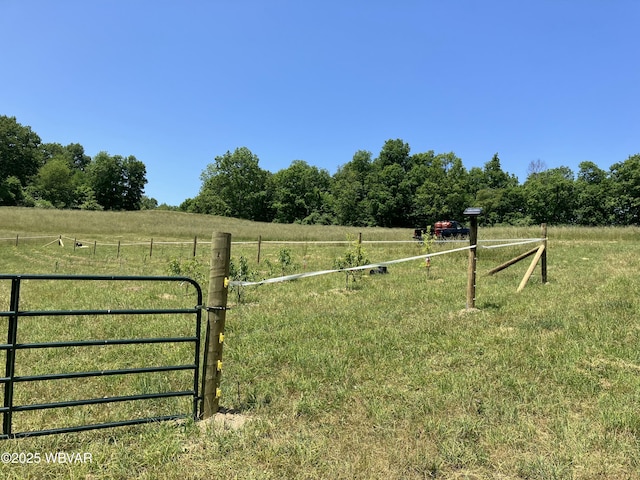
450 229
444 229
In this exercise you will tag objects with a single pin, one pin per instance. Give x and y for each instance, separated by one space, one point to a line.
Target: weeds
192 268
284 264
239 272
353 257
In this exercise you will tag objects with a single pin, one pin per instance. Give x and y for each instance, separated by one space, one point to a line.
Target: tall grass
389 378
166 225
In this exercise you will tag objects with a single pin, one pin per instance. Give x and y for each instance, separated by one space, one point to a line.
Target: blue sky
178 83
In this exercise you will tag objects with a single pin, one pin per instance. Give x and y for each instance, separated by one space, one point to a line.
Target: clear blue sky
177 83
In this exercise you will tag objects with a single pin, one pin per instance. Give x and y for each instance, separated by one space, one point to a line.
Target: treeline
50 175
400 189
394 189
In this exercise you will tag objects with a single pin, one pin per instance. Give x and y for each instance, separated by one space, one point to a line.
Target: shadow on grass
489 306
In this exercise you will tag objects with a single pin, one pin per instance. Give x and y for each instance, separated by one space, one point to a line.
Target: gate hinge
209 309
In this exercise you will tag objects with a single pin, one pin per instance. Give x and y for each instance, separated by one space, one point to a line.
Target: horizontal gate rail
51 313
97 401
98 373
12 346
89 343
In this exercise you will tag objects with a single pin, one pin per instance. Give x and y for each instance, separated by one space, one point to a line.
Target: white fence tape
277 242
29 238
524 242
286 278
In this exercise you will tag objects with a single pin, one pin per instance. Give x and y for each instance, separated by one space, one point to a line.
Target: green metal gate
13 346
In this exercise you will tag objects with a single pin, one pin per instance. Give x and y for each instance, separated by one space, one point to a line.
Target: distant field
166 225
389 378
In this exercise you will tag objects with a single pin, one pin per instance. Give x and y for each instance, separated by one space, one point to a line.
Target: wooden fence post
531 268
543 263
512 261
471 273
259 247
195 245
151 248
216 315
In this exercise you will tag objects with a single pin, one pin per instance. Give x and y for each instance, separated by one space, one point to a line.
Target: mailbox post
472 213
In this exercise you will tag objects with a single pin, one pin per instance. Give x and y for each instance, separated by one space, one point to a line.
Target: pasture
384 377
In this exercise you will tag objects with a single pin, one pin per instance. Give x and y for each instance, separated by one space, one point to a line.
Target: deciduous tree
118 182
625 177
19 156
235 186
300 191
350 191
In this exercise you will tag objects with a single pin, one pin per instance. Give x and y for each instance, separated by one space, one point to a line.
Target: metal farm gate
14 346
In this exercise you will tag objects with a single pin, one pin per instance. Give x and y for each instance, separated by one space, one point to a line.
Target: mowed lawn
385 377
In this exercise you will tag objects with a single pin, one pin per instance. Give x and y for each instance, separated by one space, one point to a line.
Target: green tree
389 187
73 154
502 205
550 196
445 191
299 192
424 171
79 160
394 152
105 179
148 203
234 186
85 198
512 207
494 191
458 196
593 196
55 183
19 156
625 177
11 191
134 178
495 177
349 190
118 182
389 196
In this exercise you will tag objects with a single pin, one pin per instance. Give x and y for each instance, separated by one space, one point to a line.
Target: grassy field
388 378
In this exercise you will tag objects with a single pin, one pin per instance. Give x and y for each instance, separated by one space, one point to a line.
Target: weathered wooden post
118 255
512 261
151 248
259 247
472 213
531 268
195 245
216 315
543 263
